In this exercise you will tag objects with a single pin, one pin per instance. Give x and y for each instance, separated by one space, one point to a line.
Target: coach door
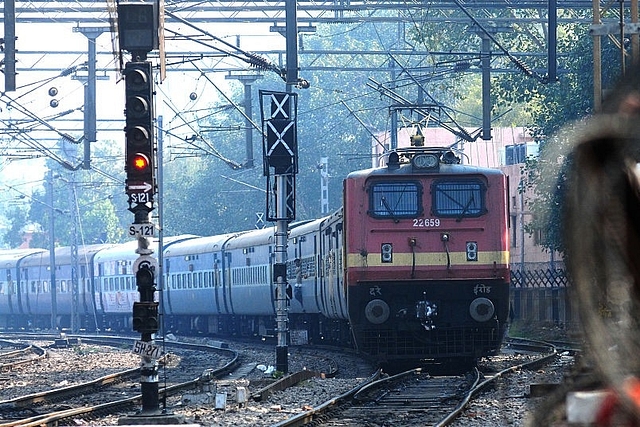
333 292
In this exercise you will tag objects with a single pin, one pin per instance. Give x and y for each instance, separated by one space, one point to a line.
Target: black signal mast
138 26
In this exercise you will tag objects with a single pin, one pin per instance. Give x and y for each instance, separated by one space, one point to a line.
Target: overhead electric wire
253 59
209 148
240 110
461 132
518 63
24 110
363 124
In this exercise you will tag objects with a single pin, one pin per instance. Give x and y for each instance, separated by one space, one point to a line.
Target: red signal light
139 162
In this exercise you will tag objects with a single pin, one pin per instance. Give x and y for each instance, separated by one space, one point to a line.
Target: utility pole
90 133
9 45
280 147
323 168
75 318
598 29
279 121
52 255
279 112
247 80
485 56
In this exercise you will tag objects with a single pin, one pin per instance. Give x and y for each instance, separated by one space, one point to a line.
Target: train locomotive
413 267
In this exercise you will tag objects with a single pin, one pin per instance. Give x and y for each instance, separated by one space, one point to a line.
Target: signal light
139 136
139 162
145 317
472 251
145 281
145 278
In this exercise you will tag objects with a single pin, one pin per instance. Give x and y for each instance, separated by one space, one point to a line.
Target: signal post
280 166
138 24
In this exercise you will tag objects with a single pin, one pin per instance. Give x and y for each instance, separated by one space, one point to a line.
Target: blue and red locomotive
413 267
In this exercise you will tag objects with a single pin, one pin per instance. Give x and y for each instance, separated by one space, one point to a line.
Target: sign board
142 230
147 349
139 187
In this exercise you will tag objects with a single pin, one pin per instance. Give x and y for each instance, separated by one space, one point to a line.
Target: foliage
16 216
79 199
554 107
207 197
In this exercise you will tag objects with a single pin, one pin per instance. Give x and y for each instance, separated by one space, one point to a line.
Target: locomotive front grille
435 344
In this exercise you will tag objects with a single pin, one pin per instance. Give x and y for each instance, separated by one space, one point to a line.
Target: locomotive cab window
395 200
459 198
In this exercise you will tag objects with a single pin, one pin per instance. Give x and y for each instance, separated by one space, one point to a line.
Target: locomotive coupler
426 312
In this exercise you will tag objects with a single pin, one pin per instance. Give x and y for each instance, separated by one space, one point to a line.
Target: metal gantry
309 11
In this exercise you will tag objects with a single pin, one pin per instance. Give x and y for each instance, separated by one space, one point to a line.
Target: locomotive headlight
472 251
425 161
481 309
386 252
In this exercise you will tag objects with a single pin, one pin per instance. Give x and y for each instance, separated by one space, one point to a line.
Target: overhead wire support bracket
517 62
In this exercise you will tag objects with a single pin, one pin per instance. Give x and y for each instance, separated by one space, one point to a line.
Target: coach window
395 200
459 198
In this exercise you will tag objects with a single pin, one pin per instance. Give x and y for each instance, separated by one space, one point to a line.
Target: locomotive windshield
459 198
395 200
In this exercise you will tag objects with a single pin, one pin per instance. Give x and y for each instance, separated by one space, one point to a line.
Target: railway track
14 353
117 392
414 397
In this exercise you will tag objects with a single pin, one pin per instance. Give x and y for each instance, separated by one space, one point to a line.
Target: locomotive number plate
426 222
144 230
147 349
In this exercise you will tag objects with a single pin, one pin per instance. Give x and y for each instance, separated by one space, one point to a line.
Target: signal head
139 131
145 278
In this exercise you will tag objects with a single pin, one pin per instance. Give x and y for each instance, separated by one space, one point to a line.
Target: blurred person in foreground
601 227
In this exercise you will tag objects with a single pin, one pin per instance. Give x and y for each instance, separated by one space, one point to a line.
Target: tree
83 197
14 235
206 196
554 107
